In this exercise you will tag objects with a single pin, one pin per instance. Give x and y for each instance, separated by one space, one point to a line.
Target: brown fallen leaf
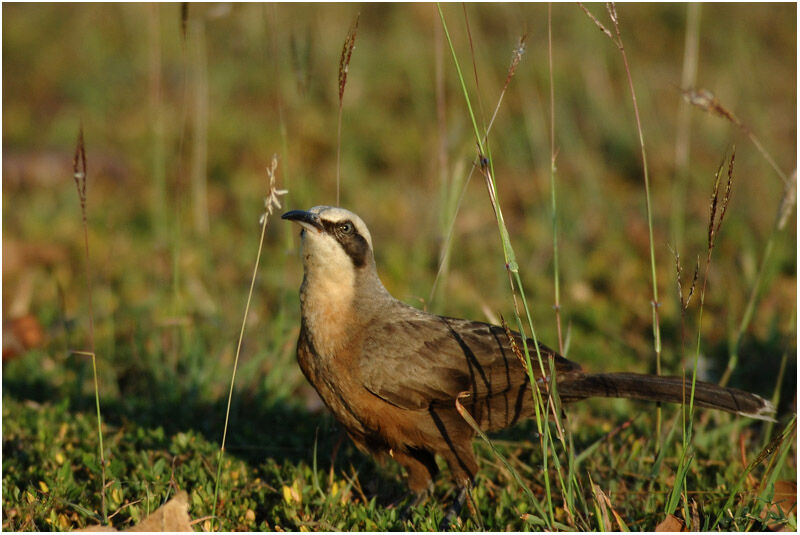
172 516
671 524
785 498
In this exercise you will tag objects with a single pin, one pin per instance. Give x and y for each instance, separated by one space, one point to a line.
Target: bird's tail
666 389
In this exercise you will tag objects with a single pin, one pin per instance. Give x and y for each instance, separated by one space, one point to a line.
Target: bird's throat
326 303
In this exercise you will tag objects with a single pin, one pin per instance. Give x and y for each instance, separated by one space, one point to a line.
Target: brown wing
433 359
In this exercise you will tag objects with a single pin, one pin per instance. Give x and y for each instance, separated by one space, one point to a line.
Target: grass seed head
79 169
706 101
516 57
344 60
715 222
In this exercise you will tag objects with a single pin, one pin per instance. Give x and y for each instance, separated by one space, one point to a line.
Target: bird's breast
327 309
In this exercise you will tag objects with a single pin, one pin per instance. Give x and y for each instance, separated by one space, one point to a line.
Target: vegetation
182 108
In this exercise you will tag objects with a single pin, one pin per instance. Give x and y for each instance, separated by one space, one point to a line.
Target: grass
80 176
166 311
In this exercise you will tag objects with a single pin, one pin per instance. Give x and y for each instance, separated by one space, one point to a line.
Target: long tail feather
666 389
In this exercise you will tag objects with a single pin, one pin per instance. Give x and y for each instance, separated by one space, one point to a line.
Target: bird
392 374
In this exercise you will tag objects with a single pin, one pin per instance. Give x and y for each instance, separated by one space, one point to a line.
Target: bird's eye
346 228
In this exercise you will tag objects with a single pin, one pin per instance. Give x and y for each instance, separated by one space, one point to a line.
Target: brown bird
391 373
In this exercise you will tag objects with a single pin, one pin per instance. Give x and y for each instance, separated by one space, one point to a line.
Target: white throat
328 291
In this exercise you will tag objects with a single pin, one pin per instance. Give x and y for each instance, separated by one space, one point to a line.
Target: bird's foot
454 510
419 498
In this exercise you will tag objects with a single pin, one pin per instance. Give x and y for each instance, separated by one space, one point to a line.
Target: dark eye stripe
353 243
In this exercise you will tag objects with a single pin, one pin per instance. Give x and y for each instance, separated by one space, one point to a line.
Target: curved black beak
303 218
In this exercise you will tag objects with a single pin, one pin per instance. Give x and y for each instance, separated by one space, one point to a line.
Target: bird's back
415 360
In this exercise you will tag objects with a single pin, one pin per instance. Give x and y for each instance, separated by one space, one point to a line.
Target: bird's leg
421 468
455 507
420 497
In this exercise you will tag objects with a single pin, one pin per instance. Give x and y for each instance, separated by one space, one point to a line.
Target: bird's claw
454 510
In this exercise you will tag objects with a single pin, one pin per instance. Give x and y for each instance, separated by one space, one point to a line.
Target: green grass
168 298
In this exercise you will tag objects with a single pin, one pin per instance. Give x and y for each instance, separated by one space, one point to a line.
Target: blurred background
182 108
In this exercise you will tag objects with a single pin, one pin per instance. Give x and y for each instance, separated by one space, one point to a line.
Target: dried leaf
172 516
784 500
785 495
671 524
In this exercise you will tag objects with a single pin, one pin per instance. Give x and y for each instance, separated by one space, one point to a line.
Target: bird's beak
307 220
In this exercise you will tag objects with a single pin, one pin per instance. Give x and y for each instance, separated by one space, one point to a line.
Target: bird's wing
422 360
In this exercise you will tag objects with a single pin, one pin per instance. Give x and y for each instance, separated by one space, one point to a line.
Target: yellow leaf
303 528
43 486
250 515
63 521
292 494
334 489
59 458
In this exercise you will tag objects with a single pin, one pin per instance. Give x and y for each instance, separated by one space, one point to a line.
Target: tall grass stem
80 175
271 202
553 203
655 304
541 408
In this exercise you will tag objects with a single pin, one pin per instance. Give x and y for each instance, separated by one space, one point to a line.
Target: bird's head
334 239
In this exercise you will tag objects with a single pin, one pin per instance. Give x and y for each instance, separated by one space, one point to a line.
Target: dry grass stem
271 203
655 304
788 202
706 101
79 169
599 24
553 204
344 68
517 54
516 57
